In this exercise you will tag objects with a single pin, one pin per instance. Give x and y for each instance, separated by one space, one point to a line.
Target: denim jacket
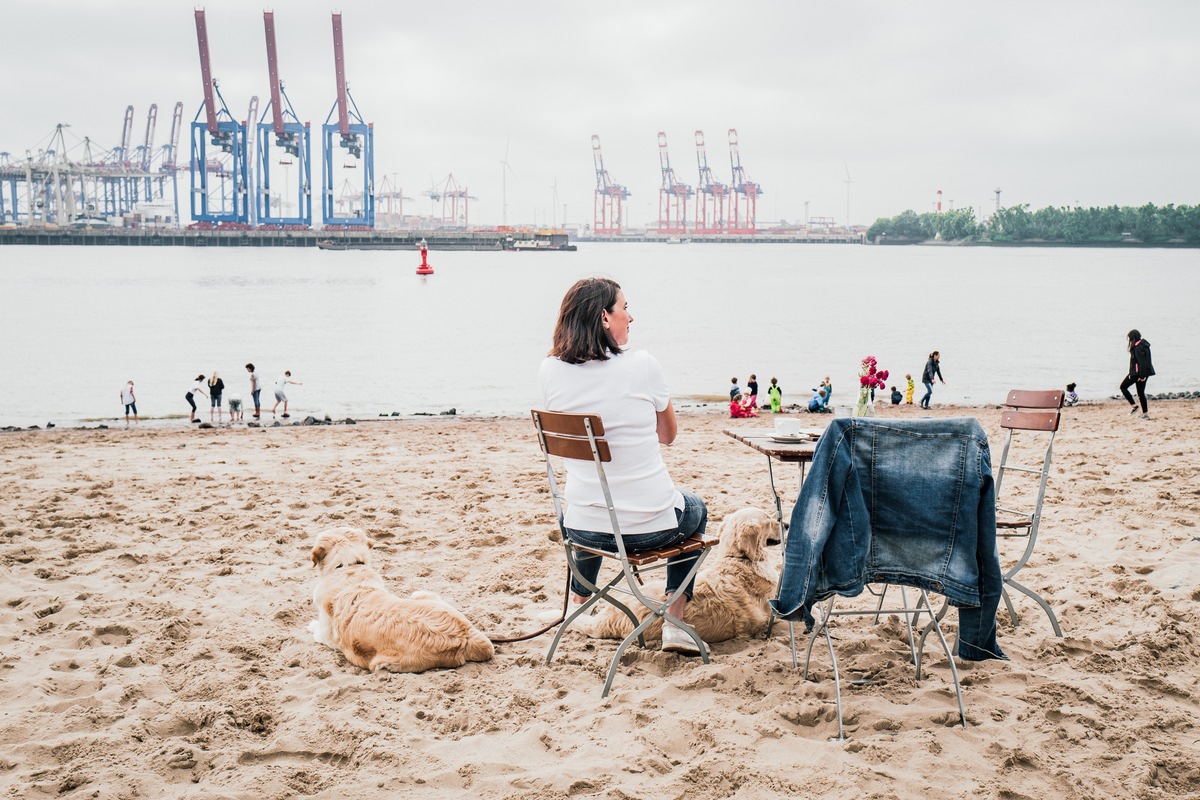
908 502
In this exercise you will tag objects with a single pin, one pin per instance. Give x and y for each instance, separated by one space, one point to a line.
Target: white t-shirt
284 380
196 387
627 391
127 395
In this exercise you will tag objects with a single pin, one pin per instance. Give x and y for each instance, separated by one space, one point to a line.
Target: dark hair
934 353
1134 335
250 367
200 377
1070 387
579 334
733 380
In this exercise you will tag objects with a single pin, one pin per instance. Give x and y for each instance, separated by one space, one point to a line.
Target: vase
865 407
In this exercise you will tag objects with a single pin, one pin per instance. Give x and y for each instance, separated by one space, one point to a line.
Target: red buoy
424 269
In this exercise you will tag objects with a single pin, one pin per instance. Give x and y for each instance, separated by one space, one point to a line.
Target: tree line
1148 224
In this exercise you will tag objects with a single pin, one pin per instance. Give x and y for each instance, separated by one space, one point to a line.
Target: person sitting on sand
896 396
589 371
817 404
1070 398
738 408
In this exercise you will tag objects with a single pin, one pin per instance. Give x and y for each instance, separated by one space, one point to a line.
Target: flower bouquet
869 377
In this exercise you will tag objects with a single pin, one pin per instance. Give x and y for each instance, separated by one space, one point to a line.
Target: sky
863 109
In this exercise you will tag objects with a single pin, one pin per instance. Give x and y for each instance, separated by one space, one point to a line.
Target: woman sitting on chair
589 372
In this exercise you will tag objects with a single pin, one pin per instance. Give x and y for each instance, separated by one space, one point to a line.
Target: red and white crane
712 197
609 196
743 205
672 195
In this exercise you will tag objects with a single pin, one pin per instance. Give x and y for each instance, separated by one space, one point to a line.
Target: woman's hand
667 426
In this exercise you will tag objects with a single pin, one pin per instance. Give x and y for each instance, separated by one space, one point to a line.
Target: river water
366 336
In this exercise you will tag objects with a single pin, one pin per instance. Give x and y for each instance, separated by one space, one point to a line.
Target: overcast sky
1056 103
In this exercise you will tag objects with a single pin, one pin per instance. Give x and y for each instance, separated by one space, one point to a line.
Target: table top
760 440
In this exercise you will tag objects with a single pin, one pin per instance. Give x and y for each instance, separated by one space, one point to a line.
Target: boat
541 241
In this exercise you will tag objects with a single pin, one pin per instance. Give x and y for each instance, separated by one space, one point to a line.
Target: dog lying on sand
732 589
373 628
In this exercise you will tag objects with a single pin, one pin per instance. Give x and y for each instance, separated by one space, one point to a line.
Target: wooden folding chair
1033 416
580 437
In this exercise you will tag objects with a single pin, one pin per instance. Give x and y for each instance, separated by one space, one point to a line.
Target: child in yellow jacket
909 393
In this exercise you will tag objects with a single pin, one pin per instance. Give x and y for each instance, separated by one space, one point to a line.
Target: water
365 335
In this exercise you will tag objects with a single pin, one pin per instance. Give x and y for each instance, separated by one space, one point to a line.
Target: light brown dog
375 629
732 589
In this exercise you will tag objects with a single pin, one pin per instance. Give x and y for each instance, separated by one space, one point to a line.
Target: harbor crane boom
609 195
744 200
356 137
220 182
291 207
711 196
672 195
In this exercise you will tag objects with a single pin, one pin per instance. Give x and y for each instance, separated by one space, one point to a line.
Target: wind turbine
554 204
505 169
848 182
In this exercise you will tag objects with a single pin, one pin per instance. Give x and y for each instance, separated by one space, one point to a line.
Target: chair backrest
1034 411
571 435
578 437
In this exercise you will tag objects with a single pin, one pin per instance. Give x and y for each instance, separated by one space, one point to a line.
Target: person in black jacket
1140 368
932 370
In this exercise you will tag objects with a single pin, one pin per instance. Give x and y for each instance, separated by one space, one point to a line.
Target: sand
155 593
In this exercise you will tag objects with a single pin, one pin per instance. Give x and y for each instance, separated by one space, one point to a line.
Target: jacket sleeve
813 519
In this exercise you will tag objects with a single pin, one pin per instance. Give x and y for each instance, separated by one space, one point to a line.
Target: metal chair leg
1037 599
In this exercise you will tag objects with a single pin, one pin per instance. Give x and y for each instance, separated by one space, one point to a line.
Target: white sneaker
674 640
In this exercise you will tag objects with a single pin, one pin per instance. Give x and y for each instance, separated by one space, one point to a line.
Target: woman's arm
667 426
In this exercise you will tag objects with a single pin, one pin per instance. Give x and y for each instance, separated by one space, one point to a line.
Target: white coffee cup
787 427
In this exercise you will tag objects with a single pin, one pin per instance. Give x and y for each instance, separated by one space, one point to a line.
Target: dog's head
341 547
745 533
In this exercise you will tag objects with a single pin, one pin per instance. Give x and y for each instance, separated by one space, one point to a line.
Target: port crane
455 199
219 163
115 185
672 195
170 157
145 154
712 198
283 142
608 196
355 137
743 206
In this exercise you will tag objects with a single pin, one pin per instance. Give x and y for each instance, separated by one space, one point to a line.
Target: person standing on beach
1140 368
908 393
281 392
932 370
588 370
752 390
129 401
255 389
197 388
216 387
776 395
734 389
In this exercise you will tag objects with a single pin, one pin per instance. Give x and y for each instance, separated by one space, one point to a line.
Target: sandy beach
157 591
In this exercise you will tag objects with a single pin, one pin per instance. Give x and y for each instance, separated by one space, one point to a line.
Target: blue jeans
692 519
255 395
928 393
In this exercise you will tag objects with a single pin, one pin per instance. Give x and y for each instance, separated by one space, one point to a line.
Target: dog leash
548 628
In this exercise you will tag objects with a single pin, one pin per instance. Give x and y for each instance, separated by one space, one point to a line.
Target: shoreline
693 407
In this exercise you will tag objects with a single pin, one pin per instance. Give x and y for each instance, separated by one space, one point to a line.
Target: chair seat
1013 523
643 557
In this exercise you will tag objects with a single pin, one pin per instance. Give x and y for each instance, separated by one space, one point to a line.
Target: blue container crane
220 187
282 142
356 138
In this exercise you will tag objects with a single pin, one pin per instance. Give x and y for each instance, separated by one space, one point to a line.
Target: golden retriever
732 589
373 628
